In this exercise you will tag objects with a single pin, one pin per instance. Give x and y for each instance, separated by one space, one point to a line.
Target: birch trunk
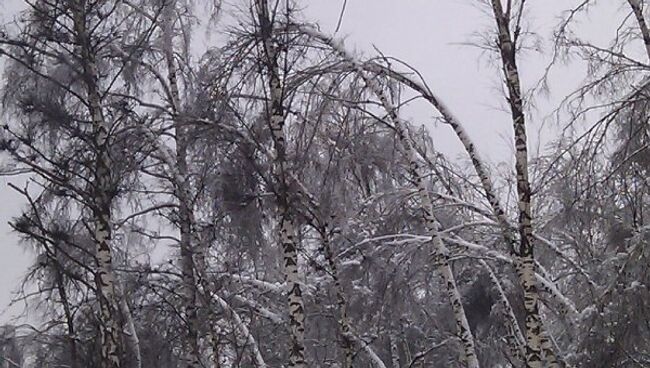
477 161
516 340
441 253
69 321
110 338
243 329
132 333
199 249
191 357
287 226
526 266
637 10
344 321
548 352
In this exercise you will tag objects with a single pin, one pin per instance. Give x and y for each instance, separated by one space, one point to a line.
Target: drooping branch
243 329
441 253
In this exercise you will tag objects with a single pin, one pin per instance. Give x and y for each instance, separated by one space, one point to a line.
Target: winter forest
270 202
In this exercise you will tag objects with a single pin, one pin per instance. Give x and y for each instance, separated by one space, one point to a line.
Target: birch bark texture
110 337
506 43
515 338
276 120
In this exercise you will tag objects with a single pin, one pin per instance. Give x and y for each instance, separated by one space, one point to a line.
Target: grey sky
426 34
14 260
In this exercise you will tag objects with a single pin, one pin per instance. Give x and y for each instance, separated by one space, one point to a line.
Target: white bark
526 267
243 329
132 332
479 166
374 358
525 264
110 329
287 232
542 278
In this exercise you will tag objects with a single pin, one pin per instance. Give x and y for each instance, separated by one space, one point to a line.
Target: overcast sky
429 35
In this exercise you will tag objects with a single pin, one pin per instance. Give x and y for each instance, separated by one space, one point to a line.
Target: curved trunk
480 168
243 329
441 253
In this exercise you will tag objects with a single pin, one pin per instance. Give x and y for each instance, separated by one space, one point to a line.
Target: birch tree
61 79
507 44
182 188
287 231
196 210
441 255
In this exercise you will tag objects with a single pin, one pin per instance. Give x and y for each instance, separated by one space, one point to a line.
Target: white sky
428 35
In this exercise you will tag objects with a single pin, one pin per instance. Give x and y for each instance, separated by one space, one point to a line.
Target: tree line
267 204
